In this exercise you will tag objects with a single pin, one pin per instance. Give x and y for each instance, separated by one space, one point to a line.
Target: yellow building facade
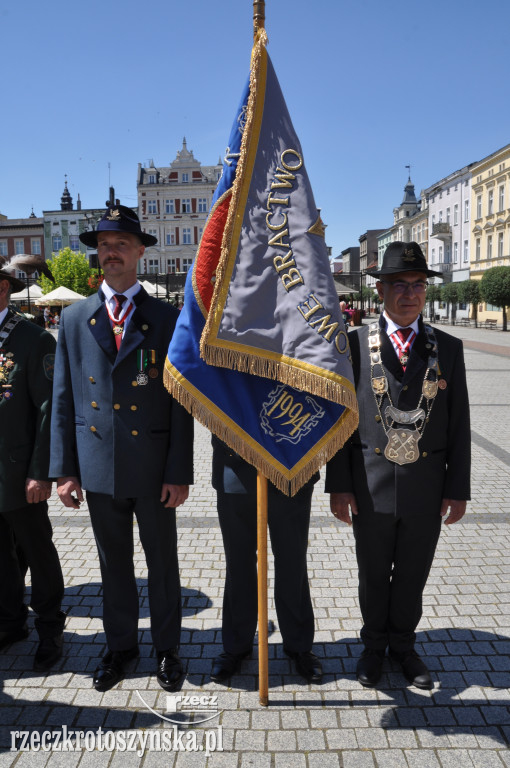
490 219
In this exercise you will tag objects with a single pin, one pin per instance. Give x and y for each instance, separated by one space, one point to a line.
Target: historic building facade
62 227
490 231
21 236
173 205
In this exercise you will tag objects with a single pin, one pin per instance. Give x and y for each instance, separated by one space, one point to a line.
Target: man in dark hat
26 372
407 467
118 434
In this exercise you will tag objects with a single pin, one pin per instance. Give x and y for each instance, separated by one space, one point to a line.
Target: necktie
118 326
403 338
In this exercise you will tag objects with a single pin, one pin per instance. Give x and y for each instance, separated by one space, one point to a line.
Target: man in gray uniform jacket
117 433
406 465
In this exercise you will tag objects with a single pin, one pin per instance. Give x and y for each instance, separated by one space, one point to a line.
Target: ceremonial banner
260 354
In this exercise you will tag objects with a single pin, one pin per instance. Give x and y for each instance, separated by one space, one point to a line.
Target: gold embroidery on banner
318 228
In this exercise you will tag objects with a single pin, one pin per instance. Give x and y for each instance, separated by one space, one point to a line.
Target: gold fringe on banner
289 482
222 276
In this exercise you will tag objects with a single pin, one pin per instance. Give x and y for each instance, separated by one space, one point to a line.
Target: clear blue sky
371 87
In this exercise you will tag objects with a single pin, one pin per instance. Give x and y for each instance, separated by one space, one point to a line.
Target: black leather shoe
111 670
414 669
307 665
369 667
226 665
170 672
6 638
48 652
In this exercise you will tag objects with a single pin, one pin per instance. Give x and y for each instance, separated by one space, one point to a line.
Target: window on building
456 214
433 219
19 246
56 243
152 206
465 256
171 265
477 249
202 205
153 266
169 206
433 255
440 215
185 178
500 245
479 207
466 210
489 246
3 247
74 242
440 254
447 215
501 196
170 238
35 246
455 253
200 233
186 235
186 205
186 264
152 178
490 202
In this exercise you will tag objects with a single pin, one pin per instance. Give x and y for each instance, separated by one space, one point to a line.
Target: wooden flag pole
259 18
262 586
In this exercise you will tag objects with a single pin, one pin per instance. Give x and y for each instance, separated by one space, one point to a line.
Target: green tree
495 289
70 269
433 295
450 294
469 293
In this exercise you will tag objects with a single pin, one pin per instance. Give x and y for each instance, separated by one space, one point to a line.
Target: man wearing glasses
407 467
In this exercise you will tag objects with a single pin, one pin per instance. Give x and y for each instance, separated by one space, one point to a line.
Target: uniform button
378 451
134 432
134 383
134 407
92 322
92 380
145 327
378 418
94 404
116 406
424 454
93 429
405 387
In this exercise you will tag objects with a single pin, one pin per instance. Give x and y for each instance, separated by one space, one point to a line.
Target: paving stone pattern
464 636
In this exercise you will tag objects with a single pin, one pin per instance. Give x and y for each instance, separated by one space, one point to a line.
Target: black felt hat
404 257
118 218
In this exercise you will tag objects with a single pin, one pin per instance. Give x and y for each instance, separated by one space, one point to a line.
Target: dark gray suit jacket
119 438
443 469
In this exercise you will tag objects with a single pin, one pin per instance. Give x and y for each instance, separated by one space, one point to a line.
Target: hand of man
65 488
457 509
37 490
340 504
174 495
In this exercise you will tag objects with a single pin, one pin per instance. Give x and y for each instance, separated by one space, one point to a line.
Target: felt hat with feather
25 262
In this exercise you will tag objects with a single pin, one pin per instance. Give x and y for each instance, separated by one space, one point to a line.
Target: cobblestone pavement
464 635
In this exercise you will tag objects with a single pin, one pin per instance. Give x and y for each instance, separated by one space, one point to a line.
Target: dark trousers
112 523
394 559
26 540
288 519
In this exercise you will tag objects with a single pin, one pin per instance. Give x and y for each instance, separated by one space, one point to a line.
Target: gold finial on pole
259 15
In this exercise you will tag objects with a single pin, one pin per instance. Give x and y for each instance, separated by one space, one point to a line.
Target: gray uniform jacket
443 468
117 437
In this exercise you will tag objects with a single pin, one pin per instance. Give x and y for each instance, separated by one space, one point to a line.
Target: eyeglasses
400 286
